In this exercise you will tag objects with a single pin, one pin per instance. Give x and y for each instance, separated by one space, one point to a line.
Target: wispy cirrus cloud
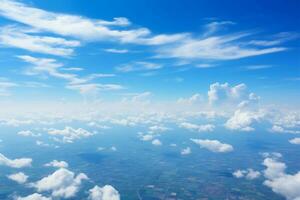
139 66
19 37
51 67
81 27
220 47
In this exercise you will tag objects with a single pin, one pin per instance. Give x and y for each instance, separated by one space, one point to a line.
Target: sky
113 51
101 77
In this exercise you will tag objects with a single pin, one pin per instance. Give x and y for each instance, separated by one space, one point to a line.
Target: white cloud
34 196
156 142
221 47
280 129
257 67
147 137
106 192
19 38
158 129
243 120
213 145
139 66
28 133
50 67
198 128
215 26
195 98
62 183
113 148
80 27
295 141
249 174
186 151
70 134
118 51
220 93
18 177
279 181
15 163
58 164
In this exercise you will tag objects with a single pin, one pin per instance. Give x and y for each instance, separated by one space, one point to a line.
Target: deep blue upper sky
168 70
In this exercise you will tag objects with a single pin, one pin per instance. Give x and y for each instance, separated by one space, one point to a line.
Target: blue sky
102 77
169 49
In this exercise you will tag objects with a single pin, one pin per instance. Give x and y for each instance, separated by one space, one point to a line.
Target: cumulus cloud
198 128
195 98
58 164
147 137
295 141
18 177
186 151
62 183
279 181
220 93
249 174
28 133
34 196
213 145
15 163
280 129
70 134
106 192
156 142
158 129
242 120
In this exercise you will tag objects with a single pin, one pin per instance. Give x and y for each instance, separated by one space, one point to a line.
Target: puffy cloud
295 141
113 148
249 174
213 145
58 164
147 137
28 133
220 93
106 192
198 128
280 129
242 120
156 142
186 151
279 181
62 183
34 196
274 169
15 163
70 134
157 129
195 98
18 177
